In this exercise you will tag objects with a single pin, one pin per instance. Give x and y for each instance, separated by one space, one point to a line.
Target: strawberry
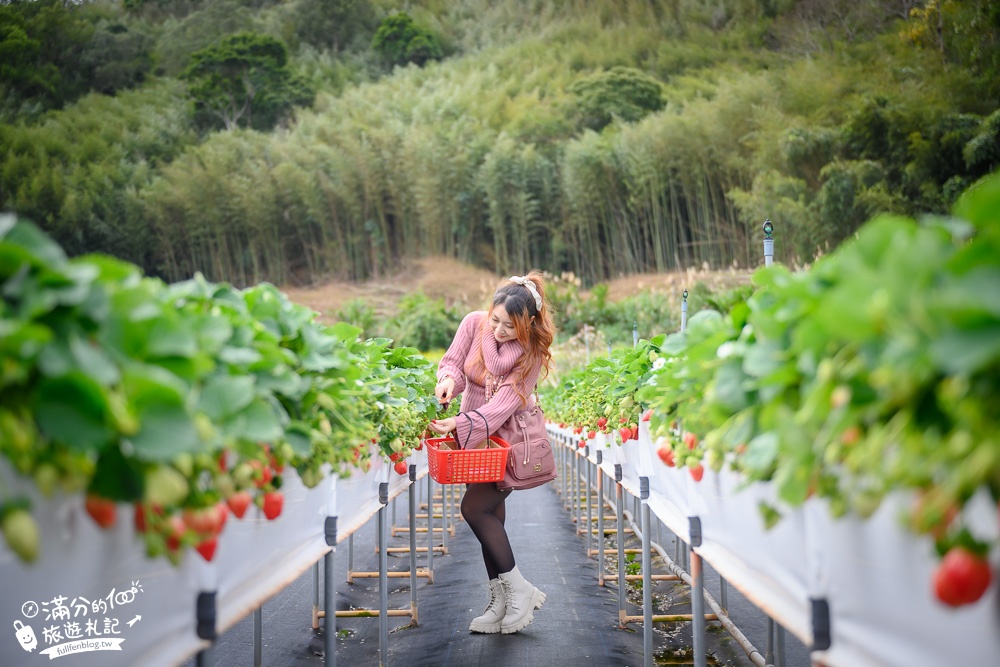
646 415
142 513
401 467
622 420
396 456
21 532
962 577
626 434
578 429
223 463
691 440
221 513
635 431
562 424
176 530
207 548
666 455
204 521
101 510
262 473
591 435
602 422
582 444
697 471
273 502
238 503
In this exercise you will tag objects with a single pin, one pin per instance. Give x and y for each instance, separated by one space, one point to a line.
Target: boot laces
508 589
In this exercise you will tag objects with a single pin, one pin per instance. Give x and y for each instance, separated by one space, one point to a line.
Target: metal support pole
620 515
578 461
412 493
697 593
315 616
684 311
647 578
430 524
600 519
383 577
590 509
257 632
724 594
635 333
780 641
768 243
330 594
769 645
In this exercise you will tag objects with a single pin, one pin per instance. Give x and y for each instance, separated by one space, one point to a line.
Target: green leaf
73 410
166 430
257 422
224 396
117 477
761 452
967 351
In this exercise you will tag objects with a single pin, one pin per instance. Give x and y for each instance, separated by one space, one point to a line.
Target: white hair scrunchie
530 284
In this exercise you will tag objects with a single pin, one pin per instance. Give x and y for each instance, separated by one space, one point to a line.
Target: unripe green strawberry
21 533
46 478
165 486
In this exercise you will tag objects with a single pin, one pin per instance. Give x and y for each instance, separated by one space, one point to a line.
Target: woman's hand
443 426
445 390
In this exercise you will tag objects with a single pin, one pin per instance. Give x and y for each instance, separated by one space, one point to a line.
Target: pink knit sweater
505 401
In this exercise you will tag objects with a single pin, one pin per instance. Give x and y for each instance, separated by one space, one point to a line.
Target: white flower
659 363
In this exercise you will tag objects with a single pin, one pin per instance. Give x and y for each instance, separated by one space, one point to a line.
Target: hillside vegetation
289 141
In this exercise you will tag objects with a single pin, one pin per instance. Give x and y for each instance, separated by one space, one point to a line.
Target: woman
495 362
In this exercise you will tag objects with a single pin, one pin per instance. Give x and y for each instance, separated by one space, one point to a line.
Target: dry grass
470 287
437 277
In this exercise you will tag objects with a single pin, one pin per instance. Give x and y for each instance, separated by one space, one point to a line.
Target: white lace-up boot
489 622
522 600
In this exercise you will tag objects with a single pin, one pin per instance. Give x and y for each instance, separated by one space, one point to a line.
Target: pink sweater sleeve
505 403
452 363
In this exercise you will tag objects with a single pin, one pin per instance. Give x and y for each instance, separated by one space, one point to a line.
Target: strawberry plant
179 397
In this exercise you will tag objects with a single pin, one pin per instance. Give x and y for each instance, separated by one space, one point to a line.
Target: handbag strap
485 421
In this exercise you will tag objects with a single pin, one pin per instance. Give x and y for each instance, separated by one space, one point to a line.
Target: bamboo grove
483 156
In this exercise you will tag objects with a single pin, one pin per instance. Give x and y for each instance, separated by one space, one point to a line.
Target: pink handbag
530 462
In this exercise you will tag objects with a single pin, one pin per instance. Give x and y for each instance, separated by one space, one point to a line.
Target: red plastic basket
467 466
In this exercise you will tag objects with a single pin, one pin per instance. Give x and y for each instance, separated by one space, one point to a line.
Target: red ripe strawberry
101 510
666 455
420 445
204 521
697 472
962 577
582 444
602 422
222 513
635 432
238 503
622 420
578 429
140 518
591 435
691 440
626 434
646 415
401 467
262 473
562 424
273 502
207 548
222 461
175 531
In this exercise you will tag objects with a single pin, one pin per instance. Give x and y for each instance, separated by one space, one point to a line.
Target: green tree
334 24
245 80
620 92
400 41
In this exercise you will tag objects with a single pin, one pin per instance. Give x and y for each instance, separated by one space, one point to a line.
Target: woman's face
503 327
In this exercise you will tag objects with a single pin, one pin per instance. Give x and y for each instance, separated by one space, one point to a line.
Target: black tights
483 509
